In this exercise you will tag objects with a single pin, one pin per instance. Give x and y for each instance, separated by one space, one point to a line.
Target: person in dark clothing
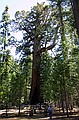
50 112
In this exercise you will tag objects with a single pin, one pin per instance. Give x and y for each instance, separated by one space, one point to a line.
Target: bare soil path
13 115
41 118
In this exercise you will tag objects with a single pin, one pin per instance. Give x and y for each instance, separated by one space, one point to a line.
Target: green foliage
46 76
36 25
59 77
4 32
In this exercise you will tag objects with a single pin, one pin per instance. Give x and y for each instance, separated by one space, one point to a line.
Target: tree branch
50 46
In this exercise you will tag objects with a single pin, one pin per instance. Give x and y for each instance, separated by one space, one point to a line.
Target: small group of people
47 110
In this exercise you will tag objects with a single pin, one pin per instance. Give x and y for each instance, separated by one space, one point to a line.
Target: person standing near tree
50 111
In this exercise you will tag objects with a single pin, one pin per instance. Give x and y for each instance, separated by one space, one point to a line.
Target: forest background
38 76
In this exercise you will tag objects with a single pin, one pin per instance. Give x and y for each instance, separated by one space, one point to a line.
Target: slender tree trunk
59 104
75 8
25 93
19 108
66 102
62 102
35 85
70 102
6 109
64 52
20 93
78 95
62 94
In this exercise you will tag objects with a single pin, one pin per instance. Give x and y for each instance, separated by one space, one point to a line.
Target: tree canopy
48 65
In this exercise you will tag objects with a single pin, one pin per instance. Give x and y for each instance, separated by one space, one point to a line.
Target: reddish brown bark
75 8
35 85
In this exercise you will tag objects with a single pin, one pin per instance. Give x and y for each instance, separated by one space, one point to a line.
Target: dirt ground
73 115
41 118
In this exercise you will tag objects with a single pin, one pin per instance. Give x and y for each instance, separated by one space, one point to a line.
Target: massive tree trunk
35 85
75 8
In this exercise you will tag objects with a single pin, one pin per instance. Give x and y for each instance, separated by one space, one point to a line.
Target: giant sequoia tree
75 8
40 34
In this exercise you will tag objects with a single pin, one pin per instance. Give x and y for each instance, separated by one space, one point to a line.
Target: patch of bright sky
18 5
15 5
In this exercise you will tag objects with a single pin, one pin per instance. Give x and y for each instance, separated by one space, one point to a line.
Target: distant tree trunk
35 85
59 104
77 103
6 109
70 102
75 8
64 52
62 101
62 39
66 102
20 93
19 108
62 95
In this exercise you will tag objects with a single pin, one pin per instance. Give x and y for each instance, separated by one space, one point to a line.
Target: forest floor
13 115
